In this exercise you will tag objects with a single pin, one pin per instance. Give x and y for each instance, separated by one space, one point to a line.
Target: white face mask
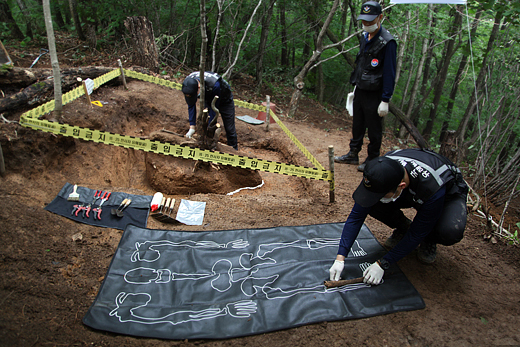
392 199
370 28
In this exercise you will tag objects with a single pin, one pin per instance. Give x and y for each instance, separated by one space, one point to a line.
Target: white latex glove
373 274
335 270
350 103
190 132
382 109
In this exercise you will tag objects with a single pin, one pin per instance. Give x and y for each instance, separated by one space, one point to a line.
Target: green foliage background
176 25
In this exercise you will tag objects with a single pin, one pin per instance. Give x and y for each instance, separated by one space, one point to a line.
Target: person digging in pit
400 179
215 85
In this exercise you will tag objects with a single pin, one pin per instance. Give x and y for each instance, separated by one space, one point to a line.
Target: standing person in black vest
215 85
374 79
408 178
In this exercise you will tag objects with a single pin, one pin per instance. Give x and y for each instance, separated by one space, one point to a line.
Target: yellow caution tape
97 103
293 138
29 120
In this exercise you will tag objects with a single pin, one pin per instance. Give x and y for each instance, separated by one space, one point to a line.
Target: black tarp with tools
223 284
136 213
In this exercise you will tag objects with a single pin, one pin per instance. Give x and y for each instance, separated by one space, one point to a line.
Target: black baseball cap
380 176
369 11
190 88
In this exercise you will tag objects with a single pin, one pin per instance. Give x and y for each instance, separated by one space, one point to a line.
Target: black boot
398 234
349 158
427 252
361 167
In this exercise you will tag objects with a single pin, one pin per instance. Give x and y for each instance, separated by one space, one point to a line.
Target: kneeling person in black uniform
214 85
407 178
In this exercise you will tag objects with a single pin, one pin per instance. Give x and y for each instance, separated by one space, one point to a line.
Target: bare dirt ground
48 281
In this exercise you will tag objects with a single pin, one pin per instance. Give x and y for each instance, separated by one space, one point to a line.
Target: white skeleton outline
150 251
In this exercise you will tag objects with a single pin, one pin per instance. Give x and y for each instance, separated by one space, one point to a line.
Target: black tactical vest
210 78
368 74
428 172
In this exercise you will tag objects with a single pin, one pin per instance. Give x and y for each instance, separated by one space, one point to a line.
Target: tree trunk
416 111
300 78
215 39
145 52
461 130
75 18
402 46
320 83
458 76
27 18
58 18
443 74
266 22
343 20
7 17
347 56
202 121
284 59
410 69
227 74
502 183
58 100
91 36
449 145
192 43
415 86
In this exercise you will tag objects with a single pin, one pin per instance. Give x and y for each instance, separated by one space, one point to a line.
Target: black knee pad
449 229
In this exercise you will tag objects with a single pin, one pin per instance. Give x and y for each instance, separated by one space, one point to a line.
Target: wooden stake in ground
2 164
267 113
122 73
331 168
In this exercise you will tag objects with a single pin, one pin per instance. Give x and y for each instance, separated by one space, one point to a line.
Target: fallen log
17 76
25 96
409 126
41 82
23 77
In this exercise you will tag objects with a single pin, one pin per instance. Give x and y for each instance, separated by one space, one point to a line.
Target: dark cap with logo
381 176
190 88
369 11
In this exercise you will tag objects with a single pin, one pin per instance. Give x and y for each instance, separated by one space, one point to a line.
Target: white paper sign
89 84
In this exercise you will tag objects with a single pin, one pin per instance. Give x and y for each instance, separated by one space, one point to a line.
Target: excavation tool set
101 207
119 211
91 207
189 212
162 210
110 209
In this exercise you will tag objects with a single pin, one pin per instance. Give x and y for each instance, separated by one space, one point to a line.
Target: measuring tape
29 120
